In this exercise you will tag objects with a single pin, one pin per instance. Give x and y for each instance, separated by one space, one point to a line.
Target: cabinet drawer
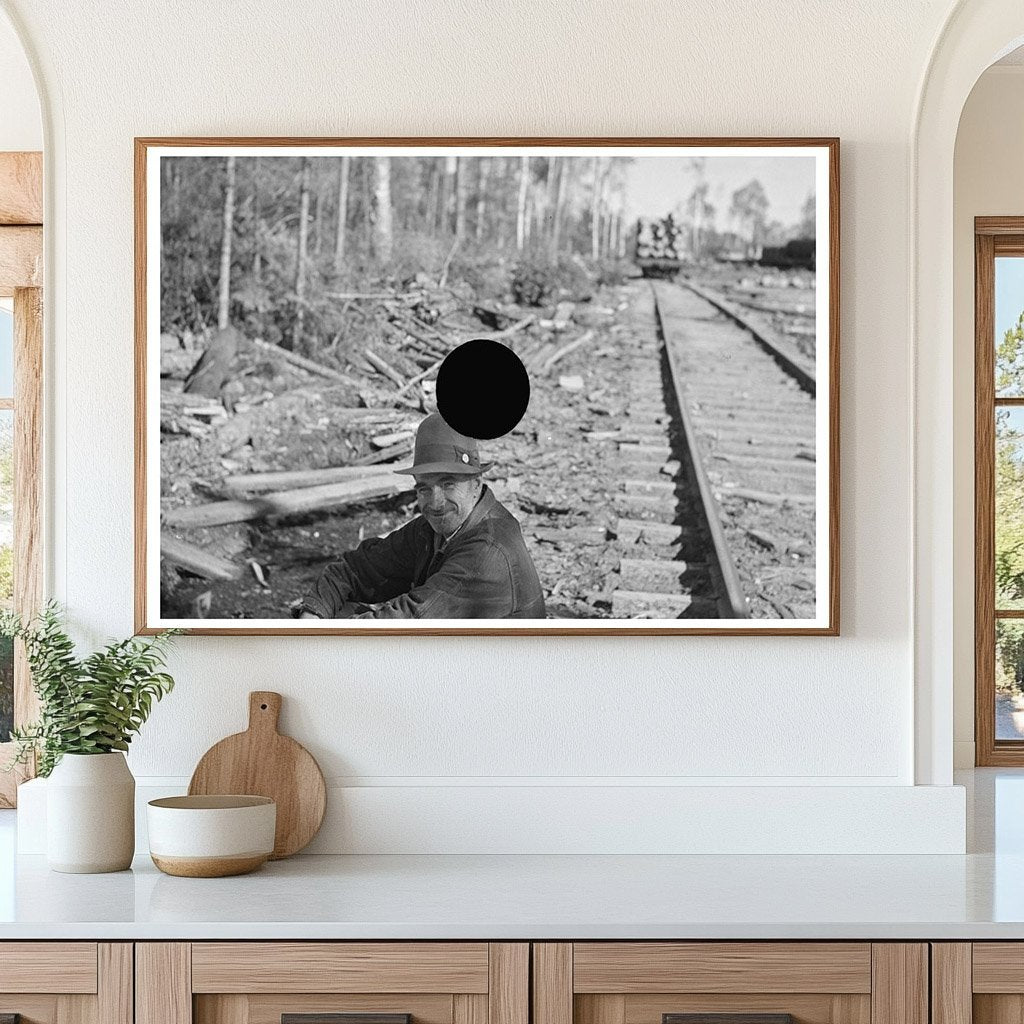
730 983
332 983
65 967
66 982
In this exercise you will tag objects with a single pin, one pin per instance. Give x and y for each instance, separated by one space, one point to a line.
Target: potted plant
89 709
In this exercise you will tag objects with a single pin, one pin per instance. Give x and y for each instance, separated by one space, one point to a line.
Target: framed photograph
336 340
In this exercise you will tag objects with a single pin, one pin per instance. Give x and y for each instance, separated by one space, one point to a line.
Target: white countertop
979 895
516 897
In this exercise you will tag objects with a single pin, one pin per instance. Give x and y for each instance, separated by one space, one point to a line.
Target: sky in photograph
655 185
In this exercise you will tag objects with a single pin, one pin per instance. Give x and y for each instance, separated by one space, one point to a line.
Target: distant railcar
798 252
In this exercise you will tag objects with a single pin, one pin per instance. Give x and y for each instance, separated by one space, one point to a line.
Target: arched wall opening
976 35
989 153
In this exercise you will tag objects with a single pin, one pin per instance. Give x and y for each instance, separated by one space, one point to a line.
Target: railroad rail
719 477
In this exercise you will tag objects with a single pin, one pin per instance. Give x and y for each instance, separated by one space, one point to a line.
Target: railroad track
716 514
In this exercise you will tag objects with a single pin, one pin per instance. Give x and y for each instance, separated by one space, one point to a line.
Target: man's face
446 500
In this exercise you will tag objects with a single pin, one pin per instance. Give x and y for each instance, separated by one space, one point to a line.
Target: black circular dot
263 707
483 389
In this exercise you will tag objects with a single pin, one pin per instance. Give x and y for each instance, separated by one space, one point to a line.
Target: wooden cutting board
262 762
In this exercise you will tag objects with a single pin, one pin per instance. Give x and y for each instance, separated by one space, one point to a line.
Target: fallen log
196 560
560 354
382 367
280 480
396 451
432 368
303 363
294 502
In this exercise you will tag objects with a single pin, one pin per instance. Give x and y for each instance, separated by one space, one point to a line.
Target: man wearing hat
462 557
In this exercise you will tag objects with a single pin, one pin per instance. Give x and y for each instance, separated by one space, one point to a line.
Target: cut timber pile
283 503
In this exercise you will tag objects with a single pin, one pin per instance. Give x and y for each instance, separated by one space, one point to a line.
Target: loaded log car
660 247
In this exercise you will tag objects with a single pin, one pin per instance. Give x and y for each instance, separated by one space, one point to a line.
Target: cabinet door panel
219 967
635 967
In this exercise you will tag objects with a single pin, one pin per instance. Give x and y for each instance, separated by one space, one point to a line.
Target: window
21 319
999 490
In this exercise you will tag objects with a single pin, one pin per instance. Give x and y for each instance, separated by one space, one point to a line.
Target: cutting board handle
264 710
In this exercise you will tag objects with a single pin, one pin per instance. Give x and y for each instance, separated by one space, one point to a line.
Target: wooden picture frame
794 446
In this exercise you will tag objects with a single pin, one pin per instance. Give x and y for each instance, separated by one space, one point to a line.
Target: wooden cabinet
977 983
653 982
262 982
66 982
494 983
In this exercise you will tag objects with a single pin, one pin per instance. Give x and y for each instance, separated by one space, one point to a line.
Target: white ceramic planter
90 814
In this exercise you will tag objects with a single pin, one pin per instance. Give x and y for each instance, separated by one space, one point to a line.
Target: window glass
1009 512
6 353
1009 679
1009 327
6 568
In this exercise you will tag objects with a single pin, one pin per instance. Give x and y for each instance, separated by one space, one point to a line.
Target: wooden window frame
993 236
21 278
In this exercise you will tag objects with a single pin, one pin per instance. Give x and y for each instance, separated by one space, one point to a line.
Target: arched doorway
977 33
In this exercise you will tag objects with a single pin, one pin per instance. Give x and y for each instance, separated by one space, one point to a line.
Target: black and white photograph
450 386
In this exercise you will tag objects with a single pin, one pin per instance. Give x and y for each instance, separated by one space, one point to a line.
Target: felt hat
439 449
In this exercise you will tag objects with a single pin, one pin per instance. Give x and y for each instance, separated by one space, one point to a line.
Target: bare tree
522 225
597 200
300 262
461 189
750 208
339 238
382 233
481 199
224 294
564 170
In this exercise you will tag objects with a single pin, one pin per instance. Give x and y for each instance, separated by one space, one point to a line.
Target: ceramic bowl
211 836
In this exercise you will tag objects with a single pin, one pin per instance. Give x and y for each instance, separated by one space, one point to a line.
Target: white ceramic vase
90 814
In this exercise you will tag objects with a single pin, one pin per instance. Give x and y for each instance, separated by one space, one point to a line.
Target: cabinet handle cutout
727 1018
10 1018
336 1018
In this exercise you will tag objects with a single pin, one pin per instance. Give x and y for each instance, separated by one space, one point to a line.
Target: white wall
432 716
21 127
987 182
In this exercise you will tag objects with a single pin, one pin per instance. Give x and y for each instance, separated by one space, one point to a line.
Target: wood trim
1009 613
998 226
115 983
21 258
21 188
633 967
163 983
508 990
467 1009
951 983
142 615
552 983
984 502
28 483
1008 402
607 1009
69 968
899 983
339 967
